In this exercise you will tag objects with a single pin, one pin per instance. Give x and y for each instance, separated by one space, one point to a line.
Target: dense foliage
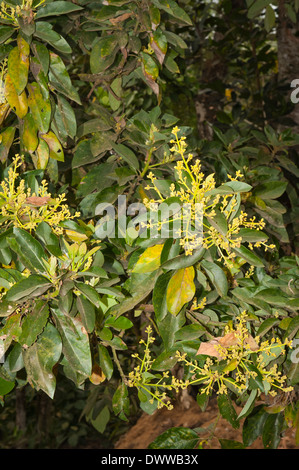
183 104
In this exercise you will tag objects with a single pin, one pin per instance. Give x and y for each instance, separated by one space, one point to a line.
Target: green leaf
272 430
269 18
180 289
50 240
127 155
256 7
42 54
272 296
176 438
217 277
5 386
249 256
87 311
120 402
65 117
40 108
174 10
105 361
60 79
75 343
5 33
32 286
28 248
184 261
103 53
44 31
11 330
227 410
120 323
89 292
271 190
248 405
57 8
34 323
230 444
102 419
159 296
251 235
40 359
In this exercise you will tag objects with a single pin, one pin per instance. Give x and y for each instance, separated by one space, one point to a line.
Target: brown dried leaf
209 348
37 201
120 18
228 340
97 375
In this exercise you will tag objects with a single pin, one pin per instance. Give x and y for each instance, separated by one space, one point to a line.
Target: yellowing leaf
149 260
55 147
76 236
30 139
18 65
18 103
40 108
180 289
42 155
4 110
97 375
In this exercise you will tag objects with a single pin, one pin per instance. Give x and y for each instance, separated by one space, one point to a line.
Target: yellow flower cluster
11 14
145 382
21 208
197 193
234 366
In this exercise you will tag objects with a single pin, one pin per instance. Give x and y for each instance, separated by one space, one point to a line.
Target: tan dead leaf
251 343
37 201
97 375
120 18
228 340
210 348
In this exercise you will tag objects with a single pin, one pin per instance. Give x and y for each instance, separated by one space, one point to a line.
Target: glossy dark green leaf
227 410
216 276
272 430
28 248
57 8
31 286
60 79
176 438
34 323
105 361
87 311
75 343
40 359
270 190
120 402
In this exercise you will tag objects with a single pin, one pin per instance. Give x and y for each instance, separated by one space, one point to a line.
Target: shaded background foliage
93 91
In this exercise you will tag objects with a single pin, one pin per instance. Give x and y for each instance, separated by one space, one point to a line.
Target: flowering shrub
87 92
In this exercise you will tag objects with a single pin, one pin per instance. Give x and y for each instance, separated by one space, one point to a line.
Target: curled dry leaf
97 375
38 201
211 348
